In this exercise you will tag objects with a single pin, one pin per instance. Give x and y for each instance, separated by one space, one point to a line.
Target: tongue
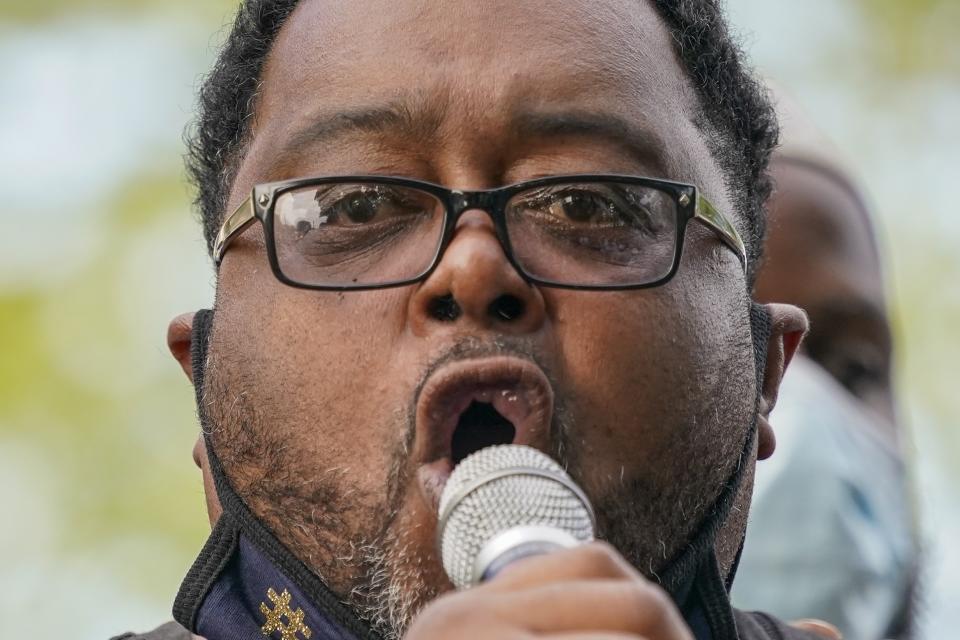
480 426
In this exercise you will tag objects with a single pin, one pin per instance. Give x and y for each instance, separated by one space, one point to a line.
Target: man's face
821 255
335 414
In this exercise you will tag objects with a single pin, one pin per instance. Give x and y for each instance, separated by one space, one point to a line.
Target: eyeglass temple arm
233 226
711 216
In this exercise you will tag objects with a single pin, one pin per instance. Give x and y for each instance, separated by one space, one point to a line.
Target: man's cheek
625 377
319 378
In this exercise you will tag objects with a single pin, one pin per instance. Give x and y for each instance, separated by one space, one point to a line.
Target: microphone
504 503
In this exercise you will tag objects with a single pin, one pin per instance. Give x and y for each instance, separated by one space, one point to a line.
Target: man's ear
179 337
202 460
788 325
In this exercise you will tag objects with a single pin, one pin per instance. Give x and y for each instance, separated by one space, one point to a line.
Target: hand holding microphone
515 535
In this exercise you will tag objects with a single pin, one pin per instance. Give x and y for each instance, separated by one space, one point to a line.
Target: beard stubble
366 548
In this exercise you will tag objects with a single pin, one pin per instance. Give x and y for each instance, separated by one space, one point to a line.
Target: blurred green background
102 509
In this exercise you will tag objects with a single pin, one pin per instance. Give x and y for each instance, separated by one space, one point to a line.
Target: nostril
444 308
507 308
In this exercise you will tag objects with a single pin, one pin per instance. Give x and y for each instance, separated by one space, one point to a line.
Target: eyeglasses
574 232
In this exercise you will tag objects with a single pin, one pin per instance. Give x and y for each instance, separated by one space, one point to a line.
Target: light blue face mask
831 530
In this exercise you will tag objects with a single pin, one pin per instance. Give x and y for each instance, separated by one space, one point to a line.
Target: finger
624 606
819 627
594 561
592 635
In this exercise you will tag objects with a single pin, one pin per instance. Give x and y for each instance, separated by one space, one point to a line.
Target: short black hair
736 114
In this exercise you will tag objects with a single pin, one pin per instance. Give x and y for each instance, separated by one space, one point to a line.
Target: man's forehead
338 32
486 59
823 208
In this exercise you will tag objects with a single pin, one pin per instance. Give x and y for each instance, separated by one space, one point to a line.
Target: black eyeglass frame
691 205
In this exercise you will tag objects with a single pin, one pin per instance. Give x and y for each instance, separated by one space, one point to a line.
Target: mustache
470 347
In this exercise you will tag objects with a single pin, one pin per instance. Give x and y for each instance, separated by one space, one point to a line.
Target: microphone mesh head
501 487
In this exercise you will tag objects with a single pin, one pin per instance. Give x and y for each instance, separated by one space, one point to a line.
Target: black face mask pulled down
246 585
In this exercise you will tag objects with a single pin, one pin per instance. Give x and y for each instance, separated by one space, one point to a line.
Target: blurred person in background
831 509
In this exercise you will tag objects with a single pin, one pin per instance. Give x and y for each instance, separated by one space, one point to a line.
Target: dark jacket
169 631
751 626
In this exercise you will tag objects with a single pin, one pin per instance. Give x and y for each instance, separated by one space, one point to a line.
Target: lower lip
432 478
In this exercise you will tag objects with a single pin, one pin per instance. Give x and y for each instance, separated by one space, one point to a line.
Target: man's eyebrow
421 122
843 310
640 141
397 117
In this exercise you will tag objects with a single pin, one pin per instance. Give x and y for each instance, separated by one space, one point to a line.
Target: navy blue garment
251 591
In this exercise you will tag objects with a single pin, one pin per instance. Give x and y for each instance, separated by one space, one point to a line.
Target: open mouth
472 404
481 425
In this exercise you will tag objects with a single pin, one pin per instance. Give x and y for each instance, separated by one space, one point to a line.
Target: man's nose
475 284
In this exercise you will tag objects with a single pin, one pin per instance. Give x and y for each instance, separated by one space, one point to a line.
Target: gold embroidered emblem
281 610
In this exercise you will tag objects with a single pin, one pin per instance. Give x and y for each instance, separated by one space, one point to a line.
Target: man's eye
357 208
587 207
860 370
361 206
582 207
857 376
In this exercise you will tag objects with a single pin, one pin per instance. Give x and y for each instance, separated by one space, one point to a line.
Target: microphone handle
517 543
